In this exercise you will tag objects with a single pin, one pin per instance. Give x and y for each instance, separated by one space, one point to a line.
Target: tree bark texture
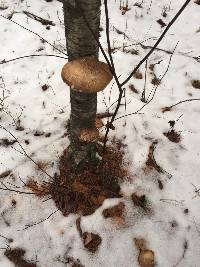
80 43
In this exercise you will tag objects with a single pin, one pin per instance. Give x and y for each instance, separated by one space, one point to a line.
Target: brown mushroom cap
86 74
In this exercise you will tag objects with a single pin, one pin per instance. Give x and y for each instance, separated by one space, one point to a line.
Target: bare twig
5 188
44 40
28 56
154 92
157 43
180 102
39 19
36 223
143 97
25 153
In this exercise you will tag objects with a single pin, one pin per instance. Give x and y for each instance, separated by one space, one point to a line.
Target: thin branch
35 34
197 58
25 153
157 43
136 112
39 19
36 223
28 56
160 80
180 102
5 188
109 124
143 97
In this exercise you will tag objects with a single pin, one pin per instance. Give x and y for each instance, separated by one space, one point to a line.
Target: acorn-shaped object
86 74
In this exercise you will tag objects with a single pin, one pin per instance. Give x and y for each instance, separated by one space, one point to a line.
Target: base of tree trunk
84 191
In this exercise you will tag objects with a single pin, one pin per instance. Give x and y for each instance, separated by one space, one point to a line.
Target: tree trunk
80 43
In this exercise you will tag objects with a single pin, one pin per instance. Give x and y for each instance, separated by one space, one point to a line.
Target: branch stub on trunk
86 74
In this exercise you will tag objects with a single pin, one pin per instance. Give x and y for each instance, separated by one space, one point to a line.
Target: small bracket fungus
87 75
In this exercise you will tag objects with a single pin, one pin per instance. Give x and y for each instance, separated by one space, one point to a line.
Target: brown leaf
78 226
118 220
161 22
115 211
173 136
5 174
79 187
165 109
138 75
140 243
146 258
91 241
140 201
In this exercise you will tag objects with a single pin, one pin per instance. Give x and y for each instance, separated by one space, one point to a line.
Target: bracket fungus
87 75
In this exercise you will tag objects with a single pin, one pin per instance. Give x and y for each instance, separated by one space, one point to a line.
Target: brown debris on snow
140 201
40 190
91 241
146 257
173 136
196 84
5 174
17 257
115 213
83 192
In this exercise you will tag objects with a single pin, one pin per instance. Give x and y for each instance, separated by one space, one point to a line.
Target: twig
36 223
39 19
35 34
160 80
169 52
5 188
155 89
180 102
157 43
110 64
197 191
25 153
109 124
28 56
143 97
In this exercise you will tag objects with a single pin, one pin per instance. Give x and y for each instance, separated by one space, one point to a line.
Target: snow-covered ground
38 118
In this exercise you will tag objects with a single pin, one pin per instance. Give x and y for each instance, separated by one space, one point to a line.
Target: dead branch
25 153
178 103
5 188
44 40
39 19
30 56
36 223
169 52
157 43
154 92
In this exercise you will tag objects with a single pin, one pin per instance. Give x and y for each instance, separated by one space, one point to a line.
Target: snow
49 242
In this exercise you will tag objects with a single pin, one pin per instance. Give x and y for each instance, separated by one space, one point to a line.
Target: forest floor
155 213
